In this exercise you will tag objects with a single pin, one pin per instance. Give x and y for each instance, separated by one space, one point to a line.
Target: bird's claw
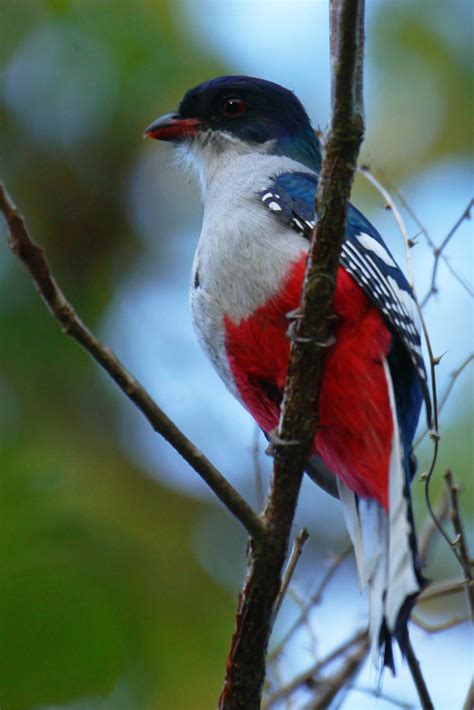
275 441
296 314
304 339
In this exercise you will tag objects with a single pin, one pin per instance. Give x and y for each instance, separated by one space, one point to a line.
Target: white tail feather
402 581
381 540
367 522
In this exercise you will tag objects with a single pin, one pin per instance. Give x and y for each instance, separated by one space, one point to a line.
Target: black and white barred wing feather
364 255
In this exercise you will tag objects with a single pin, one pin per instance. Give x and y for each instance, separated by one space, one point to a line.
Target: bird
258 159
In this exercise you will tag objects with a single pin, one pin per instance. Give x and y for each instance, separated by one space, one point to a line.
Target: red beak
172 128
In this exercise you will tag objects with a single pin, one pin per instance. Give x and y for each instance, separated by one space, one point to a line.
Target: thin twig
390 202
441 626
341 679
304 678
32 256
437 251
446 588
257 468
426 536
295 555
460 541
374 692
431 243
454 377
418 679
314 599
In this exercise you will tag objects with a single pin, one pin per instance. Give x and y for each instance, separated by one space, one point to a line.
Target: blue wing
364 255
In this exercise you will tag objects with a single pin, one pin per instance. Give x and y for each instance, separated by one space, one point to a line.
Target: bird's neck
303 147
213 157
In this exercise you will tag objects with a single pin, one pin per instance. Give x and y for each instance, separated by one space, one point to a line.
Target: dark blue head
252 110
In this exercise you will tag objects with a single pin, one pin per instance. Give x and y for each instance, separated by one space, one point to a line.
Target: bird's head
243 114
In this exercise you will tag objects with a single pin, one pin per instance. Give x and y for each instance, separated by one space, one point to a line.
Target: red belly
355 429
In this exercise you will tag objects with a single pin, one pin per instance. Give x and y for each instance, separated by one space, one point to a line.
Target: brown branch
432 245
446 588
295 555
437 251
377 694
310 675
257 468
454 377
441 626
469 702
427 534
460 541
341 679
32 256
416 674
314 599
310 336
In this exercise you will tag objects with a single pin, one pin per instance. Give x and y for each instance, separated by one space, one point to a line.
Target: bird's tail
385 548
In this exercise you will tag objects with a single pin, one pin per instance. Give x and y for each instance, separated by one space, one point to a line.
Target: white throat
207 153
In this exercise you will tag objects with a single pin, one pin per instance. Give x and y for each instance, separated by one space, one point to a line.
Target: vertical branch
416 674
460 541
310 338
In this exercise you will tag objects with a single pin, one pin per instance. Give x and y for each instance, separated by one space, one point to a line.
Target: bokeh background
119 571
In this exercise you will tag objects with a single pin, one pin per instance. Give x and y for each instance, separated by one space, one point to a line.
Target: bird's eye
233 107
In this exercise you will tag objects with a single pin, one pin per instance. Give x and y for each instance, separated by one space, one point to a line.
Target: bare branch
454 376
446 588
437 251
257 468
376 693
426 536
32 256
295 555
298 420
416 674
469 702
341 679
314 599
391 204
312 673
432 245
460 541
441 626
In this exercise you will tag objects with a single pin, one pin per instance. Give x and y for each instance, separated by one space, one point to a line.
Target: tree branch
310 338
295 555
438 252
446 588
314 599
416 674
335 683
460 540
32 256
311 674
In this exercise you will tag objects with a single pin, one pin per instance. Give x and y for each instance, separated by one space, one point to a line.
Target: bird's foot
275 441
291 334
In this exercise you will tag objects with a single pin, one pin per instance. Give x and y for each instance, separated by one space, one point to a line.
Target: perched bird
258 160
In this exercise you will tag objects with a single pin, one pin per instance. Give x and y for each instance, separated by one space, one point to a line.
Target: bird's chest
240 267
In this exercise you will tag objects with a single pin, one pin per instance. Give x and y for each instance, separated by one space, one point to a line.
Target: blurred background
119 572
